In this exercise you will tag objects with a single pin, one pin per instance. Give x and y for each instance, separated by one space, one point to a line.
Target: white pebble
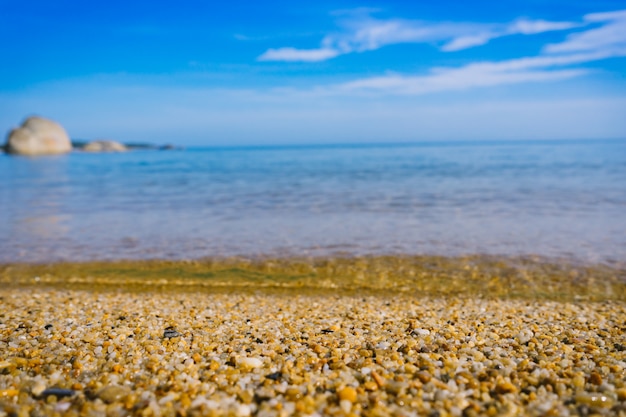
345 405
250 363
243 410
62 407
525 335
38 388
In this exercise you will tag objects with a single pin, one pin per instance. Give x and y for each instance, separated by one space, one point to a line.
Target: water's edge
431 276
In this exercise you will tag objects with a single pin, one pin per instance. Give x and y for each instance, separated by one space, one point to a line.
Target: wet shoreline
470 276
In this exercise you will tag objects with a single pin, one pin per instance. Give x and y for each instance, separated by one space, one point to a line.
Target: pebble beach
89 349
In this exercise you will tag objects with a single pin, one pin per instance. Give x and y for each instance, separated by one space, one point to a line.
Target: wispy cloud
518 27
361 32
298 55
556 62
482 74
610 36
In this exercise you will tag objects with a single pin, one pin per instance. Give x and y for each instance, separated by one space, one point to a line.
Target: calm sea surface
555 199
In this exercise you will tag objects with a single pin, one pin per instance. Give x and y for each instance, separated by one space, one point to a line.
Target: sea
552 199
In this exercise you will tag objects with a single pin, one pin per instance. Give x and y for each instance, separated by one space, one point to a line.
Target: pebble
113 393
347 394
274 376
170 333
594 399
250 363
57 392
386 355
505 387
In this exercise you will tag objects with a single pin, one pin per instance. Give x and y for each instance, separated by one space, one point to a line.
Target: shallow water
554 199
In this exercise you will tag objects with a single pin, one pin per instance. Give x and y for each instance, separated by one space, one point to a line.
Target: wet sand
430 336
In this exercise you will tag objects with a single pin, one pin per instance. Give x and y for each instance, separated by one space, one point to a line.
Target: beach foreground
159 350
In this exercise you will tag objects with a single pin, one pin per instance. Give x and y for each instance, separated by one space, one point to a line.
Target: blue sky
275 72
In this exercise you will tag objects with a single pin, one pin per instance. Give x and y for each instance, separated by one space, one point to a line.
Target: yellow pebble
8 392
347 393
380 381
579 381
370 386
504 387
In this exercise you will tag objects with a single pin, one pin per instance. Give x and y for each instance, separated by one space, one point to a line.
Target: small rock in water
170 332
104 146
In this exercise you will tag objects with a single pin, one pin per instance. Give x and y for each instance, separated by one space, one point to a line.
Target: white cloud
554 64
298 55
481 74
518 27
464 42
361 32
370 34
454 80
532 27
606 16
610 36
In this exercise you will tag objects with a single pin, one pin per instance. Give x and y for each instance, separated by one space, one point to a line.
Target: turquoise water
554 199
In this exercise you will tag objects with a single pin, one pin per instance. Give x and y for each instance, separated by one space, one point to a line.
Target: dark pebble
170 332
327 331
58 392
275 376
48 326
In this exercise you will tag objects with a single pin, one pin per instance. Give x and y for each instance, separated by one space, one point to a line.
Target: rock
38 136
104 146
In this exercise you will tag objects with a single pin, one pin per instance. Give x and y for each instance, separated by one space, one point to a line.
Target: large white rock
38 136
104 146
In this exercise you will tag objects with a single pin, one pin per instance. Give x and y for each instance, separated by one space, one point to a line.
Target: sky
284 72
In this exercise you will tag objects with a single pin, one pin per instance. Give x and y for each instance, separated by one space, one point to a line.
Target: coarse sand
116 350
